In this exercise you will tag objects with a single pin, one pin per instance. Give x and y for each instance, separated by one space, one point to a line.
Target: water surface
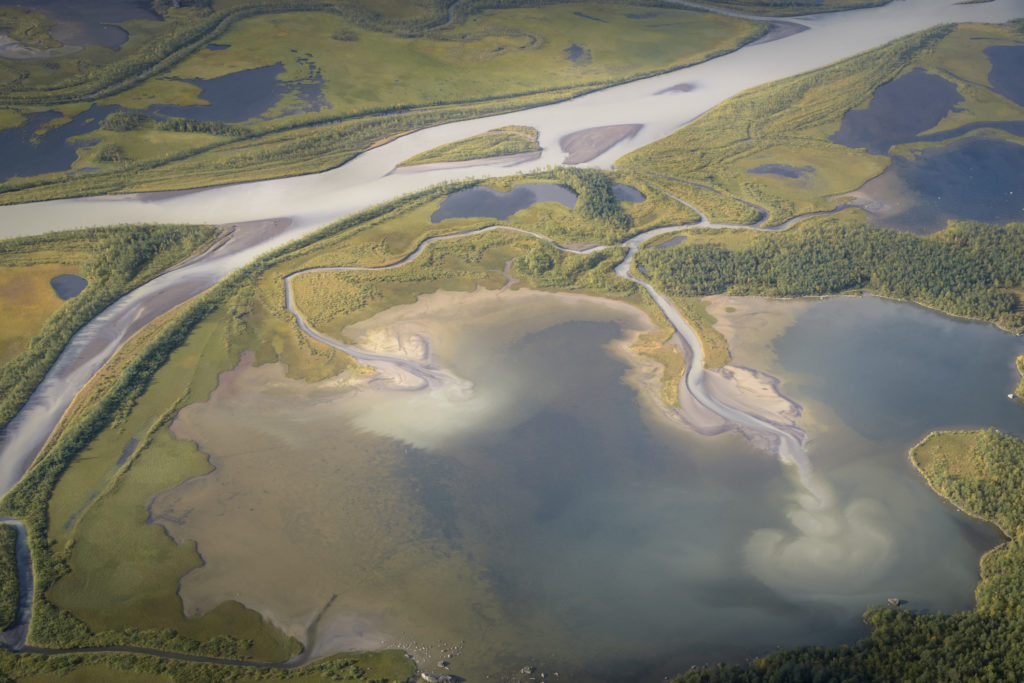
549 519
68 286
486 202
977 178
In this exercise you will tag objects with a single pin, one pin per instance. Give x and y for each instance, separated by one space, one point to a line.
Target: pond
487 202
68 286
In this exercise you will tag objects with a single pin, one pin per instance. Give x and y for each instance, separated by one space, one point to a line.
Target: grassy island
495 143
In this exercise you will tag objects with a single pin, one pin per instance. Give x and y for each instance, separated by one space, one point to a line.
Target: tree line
967 269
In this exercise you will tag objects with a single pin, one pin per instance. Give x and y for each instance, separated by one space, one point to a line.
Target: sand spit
587 144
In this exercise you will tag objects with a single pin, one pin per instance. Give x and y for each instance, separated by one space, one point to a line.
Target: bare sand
587 144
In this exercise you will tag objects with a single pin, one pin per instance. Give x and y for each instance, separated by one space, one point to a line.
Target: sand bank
587 144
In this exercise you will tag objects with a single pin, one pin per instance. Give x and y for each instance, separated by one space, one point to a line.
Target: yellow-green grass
790 122
717 206
10 118
493 143
497 53
461 65
27 301
960 57
98 511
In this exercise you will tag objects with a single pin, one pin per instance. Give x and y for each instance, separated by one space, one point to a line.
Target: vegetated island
494 144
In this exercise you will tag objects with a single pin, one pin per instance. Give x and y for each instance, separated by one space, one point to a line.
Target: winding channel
287 208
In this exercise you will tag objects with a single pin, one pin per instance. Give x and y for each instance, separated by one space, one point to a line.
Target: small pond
784 170
68 286
486 202
628 193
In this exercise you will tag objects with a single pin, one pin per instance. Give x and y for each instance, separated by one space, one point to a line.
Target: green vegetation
383 667
981 473
1020 385
790 121
8 576
494 143
27 299
392 73
113 260
968 269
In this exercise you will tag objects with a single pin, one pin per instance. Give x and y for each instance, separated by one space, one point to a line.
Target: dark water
977 178
894 372
25 155
628 193
489 203
784 170
88 22
1007 75
899 110
68 286
217 47
233 98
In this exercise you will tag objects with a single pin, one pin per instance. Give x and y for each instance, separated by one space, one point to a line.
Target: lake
552 519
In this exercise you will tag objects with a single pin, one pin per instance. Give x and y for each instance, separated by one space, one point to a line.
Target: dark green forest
969 269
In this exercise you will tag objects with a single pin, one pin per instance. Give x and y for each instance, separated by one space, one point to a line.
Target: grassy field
494 143
27 300
489 62
791 121
38 325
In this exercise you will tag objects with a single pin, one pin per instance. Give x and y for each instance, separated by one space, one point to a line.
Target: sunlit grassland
492 54
719 207
27 301
789 122
493 143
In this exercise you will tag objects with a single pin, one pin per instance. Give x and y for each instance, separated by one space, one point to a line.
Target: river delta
538 506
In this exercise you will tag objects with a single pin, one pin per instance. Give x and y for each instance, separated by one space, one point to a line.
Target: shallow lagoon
550 519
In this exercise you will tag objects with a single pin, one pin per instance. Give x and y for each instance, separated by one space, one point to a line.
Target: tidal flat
547 516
